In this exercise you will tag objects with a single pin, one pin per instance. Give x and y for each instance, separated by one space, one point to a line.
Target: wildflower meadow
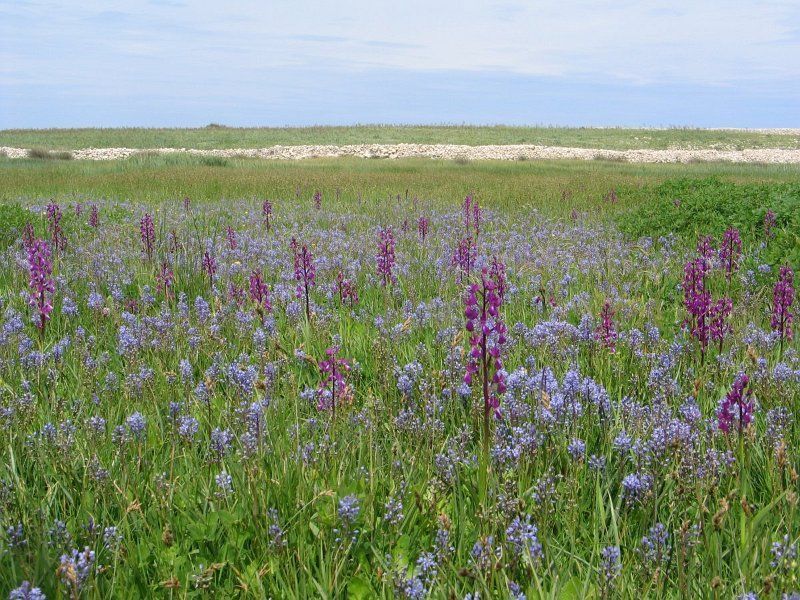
328 394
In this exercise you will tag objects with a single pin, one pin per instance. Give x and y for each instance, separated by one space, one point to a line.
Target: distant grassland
555 187
215 136
712 195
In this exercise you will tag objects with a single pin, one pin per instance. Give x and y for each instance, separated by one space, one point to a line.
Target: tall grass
218 136
189 420
358 503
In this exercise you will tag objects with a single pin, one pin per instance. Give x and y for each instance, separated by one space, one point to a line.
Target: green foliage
214 161
554 187
12 220
691 207
43 154
183 539
220 136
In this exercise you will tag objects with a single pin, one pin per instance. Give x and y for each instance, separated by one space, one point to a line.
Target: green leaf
358 588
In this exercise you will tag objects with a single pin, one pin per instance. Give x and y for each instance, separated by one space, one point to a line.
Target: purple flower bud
385 258
737 406
148 234
730 251
782 300
41 283
606 333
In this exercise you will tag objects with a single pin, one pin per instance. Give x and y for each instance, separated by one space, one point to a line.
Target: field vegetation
219 136
418 379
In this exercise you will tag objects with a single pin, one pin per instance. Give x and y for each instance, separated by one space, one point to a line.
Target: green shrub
41 154
692 207
214 161
12 220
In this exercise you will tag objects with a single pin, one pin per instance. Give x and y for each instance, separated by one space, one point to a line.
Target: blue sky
298 62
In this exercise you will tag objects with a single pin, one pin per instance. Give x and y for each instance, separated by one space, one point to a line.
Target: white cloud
688 40
119 48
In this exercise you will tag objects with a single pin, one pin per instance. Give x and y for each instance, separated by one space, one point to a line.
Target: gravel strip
454 152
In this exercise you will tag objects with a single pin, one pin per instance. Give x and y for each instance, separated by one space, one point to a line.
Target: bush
692 207
214 161
41 154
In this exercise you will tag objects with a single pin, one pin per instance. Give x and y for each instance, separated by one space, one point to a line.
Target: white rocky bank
454 152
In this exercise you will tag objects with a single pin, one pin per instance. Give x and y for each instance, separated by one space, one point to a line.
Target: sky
107 63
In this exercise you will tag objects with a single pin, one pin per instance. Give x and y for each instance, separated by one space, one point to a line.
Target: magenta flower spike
497 273
94 217
333 388
259 293
165 279
209 266
782 300
697 301
473 216
464 257
487 338
237 293
705 249
737 408
423 225
54 216
347 290
231 235
466 208
266 210
606 333
730 252
28 236
147 232
719 315
42 286
385 258
304 273
770 221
